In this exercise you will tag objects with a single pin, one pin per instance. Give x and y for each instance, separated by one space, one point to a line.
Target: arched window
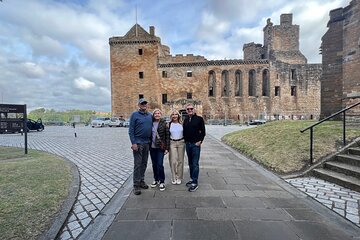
238 83
252 83
212 84
266 83
225 86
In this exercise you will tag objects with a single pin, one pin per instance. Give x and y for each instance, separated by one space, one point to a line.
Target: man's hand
134 147
198 143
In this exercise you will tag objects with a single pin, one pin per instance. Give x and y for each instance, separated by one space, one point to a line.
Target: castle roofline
213 63
136 34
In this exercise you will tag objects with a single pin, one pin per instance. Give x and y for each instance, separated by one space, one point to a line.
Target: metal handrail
323 120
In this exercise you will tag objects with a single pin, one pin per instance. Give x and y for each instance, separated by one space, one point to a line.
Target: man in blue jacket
140 137
194 134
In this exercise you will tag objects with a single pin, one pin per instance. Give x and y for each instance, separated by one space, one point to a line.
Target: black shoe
154 184
137 191
193 187
143 185
188 184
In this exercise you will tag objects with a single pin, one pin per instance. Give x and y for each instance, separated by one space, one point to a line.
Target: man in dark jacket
140 137
194 133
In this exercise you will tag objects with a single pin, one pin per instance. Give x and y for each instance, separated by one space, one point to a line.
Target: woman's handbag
162 144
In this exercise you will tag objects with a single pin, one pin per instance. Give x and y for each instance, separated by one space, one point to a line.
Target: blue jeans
193 153
157 159
140 163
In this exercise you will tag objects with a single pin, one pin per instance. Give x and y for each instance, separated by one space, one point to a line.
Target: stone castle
273 81
340 83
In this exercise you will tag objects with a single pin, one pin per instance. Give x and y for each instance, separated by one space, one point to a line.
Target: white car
100 122
126 123
116 122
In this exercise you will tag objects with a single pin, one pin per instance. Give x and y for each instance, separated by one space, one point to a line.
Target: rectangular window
293 73
189 73
140 51
141 96
141 74
164 74
164 98
277 91
189 95
293 90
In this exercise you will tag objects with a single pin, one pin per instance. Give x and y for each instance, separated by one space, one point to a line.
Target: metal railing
323 120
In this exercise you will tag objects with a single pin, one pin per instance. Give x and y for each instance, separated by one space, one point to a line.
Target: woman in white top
177 148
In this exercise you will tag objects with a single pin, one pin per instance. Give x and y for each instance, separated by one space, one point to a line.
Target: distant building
340 83
272 81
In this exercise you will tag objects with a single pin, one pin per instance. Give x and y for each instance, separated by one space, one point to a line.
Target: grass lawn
32 189
281 147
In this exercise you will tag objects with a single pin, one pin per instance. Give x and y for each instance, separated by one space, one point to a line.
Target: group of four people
151 133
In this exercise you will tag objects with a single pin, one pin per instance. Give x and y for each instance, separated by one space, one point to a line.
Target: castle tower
133 63
281 42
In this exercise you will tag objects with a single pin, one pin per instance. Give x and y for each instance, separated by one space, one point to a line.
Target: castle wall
351 54
341 59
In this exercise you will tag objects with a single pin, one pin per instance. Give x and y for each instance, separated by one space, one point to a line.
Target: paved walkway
236 199
233 191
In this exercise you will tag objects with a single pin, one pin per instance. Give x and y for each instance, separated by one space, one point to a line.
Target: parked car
116 122
35 125
256 122
100 122
126 123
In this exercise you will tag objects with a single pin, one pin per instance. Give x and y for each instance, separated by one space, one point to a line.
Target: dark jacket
194 129
164 134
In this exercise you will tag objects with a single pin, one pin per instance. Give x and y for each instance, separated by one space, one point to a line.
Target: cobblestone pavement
341 200
104 160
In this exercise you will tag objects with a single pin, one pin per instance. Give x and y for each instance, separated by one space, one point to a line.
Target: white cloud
84 84
32 70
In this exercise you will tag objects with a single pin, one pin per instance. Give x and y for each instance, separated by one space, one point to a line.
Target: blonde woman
177 148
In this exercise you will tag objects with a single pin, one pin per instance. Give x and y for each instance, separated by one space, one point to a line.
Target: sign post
13 119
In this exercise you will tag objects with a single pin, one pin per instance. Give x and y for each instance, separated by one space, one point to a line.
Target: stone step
344 168
349 159
354 151
338 178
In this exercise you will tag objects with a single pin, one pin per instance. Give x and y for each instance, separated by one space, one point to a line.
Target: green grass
32 189
282 148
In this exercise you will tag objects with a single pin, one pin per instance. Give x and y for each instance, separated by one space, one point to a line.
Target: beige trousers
176 159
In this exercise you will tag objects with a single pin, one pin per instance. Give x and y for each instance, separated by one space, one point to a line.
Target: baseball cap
142 101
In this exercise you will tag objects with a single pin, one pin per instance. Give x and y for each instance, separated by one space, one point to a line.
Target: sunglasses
190 109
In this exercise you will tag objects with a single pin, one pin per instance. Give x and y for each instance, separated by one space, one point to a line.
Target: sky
55 54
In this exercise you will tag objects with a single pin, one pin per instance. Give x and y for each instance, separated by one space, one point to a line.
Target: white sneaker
162 186
173 182
178 181
154 184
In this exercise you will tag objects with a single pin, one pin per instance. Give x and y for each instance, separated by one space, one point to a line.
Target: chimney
152 30
286 19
